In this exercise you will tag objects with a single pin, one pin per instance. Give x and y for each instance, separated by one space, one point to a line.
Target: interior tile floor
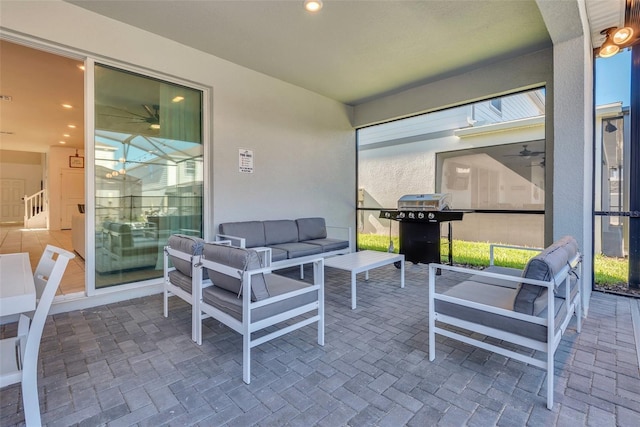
14 238
125 364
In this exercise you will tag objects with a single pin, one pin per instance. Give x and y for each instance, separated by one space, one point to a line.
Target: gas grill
420 216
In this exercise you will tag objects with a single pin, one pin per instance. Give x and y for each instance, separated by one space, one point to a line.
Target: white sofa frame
553 337
246 326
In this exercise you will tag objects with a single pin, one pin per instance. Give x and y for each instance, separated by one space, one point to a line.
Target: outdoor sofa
529 308
287 243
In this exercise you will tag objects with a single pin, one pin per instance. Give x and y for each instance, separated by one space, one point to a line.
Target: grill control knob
387 214
421 215
401 215
431 215
412 215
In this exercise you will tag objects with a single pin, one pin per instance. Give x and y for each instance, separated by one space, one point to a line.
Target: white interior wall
304 144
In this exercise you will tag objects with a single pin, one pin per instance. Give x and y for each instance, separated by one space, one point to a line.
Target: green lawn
608 270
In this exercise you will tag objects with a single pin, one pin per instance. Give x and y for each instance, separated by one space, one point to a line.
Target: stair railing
33 205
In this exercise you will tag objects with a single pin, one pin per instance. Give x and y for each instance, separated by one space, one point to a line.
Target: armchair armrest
238 242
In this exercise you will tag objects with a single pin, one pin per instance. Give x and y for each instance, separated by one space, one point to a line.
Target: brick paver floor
125 364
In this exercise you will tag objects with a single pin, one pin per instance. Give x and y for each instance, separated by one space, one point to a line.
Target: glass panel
488 155
612 186
149 172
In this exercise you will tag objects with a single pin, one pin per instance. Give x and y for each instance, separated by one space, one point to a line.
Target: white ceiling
351 51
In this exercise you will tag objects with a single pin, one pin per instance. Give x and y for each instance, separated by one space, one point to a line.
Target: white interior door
12 206
72 185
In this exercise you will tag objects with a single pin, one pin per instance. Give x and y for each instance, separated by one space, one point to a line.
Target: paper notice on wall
245 160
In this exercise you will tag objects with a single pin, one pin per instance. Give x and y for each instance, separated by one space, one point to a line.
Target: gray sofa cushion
544 266
190 245
311 229
296 250
229 303
328 244
251 231
495 296
280 231
278 254
240 259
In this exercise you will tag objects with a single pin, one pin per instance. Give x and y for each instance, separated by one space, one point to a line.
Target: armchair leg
246 358
550 379
166 303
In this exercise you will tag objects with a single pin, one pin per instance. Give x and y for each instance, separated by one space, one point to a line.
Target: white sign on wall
245 160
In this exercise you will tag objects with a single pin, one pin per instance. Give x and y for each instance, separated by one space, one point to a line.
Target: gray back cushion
190 245
280 231
241 259
543 266
311 229
251 231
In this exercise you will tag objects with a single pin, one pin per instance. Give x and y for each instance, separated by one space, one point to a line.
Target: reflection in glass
149 172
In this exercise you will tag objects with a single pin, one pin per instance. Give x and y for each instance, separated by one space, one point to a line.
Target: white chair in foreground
19 355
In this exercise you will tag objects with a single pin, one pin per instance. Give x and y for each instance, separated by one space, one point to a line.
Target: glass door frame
90 190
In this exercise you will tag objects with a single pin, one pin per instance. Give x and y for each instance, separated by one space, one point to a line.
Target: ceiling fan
525 152
540 163
151 115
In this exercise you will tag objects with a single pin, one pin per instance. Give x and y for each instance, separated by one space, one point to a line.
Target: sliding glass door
148 172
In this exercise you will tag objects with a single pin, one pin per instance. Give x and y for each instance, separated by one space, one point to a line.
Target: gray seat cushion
280 231
229 302
180 280
543 266
241 259
495 296
311 229
328 244
278 254
190 245
251 231
296 250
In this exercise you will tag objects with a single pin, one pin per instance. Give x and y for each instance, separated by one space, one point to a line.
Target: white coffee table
362 262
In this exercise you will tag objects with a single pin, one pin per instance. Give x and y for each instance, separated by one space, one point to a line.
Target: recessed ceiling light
71 126
81 66
63 142
154 126
67 106
66 135
178 99
312 5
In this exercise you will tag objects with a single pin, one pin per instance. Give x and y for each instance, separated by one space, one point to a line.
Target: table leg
366 275
402 274
353 290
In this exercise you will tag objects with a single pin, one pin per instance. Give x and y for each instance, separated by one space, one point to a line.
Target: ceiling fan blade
122 110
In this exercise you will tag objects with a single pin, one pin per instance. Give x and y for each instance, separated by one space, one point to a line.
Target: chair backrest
47 278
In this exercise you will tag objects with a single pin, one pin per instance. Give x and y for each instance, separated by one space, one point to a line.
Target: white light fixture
67 106
154 126
178 99
312 5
